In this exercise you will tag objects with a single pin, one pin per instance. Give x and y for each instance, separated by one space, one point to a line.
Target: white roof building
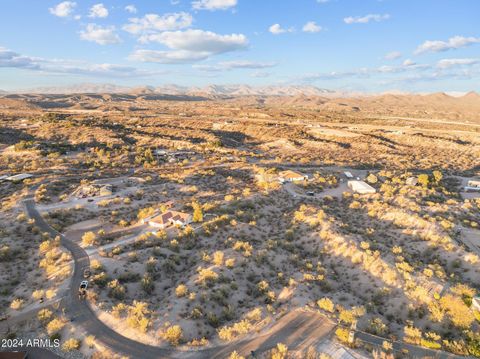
19 177
361 187
291 176
474 183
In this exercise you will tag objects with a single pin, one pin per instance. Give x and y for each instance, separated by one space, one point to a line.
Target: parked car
311 194
82 291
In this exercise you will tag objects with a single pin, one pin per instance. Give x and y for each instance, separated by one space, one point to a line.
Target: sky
346 45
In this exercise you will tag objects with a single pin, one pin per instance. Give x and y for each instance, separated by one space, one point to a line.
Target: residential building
361 187
170 217
291 176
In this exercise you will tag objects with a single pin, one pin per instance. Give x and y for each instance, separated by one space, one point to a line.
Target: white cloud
276 29
394 55
455 42
199 41
63 9
189 46
323 1
408 62
213 4
98 10
311 26
153 23
131 9
11 59
366 19
100 34
448 63
236 64
168 57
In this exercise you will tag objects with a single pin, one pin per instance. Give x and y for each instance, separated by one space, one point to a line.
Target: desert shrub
218 258
342 335
96 265
197 212
173 334
55 325
17 304
117 290
326 304
89 239
458 313
207 276
279 352
90 341
147 284
137 316
44 315
71 344
349 316
412 335
235 355
181 290
37 294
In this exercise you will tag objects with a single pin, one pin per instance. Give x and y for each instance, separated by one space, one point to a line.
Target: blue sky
356 45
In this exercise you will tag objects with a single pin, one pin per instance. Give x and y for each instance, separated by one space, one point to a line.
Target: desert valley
232 222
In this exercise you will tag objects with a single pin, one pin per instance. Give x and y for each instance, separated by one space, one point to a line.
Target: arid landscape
228 223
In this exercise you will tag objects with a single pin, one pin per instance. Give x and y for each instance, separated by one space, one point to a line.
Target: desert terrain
214 224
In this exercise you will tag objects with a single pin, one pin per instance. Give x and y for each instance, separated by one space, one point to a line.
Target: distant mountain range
216 91
210 91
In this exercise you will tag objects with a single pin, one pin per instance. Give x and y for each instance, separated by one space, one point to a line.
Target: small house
170 217
291 176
